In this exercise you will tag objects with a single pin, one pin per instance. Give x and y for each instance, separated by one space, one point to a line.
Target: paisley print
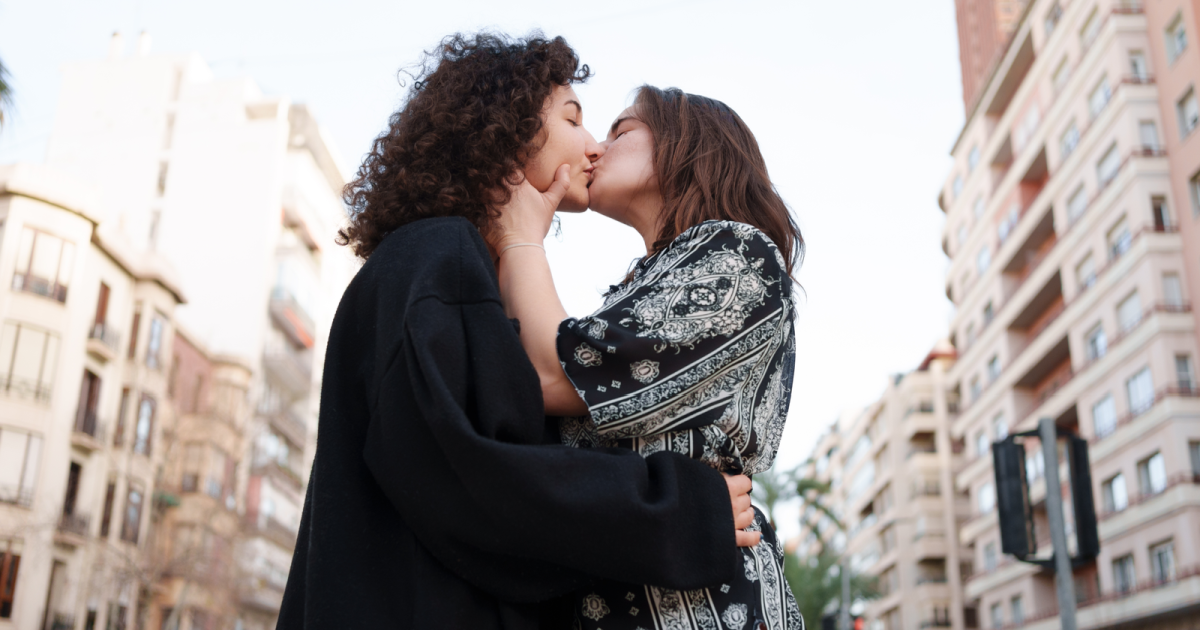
704 328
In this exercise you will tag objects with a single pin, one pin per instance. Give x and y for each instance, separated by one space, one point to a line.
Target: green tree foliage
816 582
5 92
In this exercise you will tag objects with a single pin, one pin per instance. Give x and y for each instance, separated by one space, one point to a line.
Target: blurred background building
166 491
1071 227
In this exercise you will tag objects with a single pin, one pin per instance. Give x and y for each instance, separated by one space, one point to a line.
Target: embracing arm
528 294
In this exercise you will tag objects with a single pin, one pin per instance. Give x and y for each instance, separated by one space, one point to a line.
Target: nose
594 150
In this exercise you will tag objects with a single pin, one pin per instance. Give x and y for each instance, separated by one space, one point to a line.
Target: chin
574 201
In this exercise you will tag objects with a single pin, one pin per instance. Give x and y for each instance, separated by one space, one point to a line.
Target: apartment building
240 194
984 29
889 468
84 342
1071 227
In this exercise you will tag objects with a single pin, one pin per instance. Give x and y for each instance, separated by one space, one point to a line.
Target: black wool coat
439 495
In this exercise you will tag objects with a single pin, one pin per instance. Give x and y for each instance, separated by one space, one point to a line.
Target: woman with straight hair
692 353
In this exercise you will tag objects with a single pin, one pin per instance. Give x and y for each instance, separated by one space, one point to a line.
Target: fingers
741 503
738 484
743 519
748 539
558 188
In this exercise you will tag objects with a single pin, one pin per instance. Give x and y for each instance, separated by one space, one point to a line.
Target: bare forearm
527 291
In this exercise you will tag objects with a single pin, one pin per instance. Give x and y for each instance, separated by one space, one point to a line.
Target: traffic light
1086 533
1012 499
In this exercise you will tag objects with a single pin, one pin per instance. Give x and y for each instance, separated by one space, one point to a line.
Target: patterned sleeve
699 342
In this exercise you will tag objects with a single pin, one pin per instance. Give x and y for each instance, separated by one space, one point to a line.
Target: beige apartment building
166 493
889 467
1071 228
85 343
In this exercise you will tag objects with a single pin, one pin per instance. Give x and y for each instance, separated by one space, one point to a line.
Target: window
973 158
1107 167
982 260
133 515
10 562
1116 496
133 330
1035 465
161 187
971 334
1123 575
1172 290
1119 239
1148 135
987 498
1070 140
1194 189
1176 40
1183 372
997 616
1162 562
1129 312
989 313
1061 75
20 453
30 354
1085 272
1097 343
989 557
975 389
122 413
1194 455
1104 416
1162 214
1018 610
999 427
1009 223
44 263
143 432
110 496
1152 475
1188 112
1090 30
1076 204
962 234
956 188
89 401
154 345
1137 65
1052 18
1141 391
193 463
1027 127
1099 97
977 210
982 445
993 369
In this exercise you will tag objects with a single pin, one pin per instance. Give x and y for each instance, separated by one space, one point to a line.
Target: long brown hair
709 167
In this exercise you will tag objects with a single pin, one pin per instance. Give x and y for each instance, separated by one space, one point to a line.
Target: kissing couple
485 461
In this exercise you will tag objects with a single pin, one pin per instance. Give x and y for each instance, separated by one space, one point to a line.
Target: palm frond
5 92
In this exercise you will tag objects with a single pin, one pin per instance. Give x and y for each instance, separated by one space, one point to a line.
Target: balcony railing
1095 596
60 621
105 334
24 388
1181 479
74 524
36 285
90 425
15 495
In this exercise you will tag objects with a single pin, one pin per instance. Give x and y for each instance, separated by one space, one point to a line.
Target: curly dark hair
472 118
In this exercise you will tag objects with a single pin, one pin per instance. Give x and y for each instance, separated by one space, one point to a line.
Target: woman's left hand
527 216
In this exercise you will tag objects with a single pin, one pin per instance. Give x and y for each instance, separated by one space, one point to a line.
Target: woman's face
565 141
624 186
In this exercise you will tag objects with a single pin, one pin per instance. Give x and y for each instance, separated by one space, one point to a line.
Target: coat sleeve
453 443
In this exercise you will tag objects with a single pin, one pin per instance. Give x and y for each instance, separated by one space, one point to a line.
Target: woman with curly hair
440 496
693 353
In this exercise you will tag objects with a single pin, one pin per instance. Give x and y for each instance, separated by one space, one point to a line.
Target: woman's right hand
743 513
529 213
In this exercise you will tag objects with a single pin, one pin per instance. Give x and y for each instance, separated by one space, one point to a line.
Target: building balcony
278 472
103 342
1007 570
1182 491
72 529
60 621
48 288
291 366
15 495
291 318
272 530
88 433
1147 601
290 425
24 389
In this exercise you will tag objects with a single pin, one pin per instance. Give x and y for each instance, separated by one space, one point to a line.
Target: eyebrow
576 104
617 123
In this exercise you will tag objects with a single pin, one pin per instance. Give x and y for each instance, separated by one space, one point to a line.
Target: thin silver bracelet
537 245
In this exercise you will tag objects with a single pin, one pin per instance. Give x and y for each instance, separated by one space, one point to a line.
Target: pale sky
855 105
